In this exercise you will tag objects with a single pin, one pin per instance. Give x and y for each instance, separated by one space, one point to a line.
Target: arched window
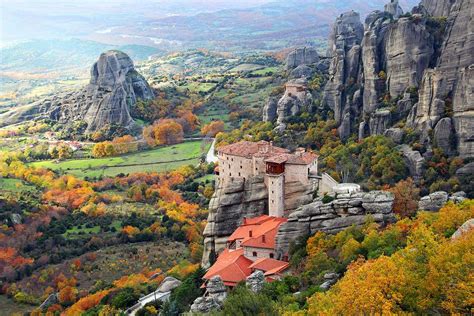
254 253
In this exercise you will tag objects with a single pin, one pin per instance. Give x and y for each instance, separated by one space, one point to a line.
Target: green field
14 185
159 160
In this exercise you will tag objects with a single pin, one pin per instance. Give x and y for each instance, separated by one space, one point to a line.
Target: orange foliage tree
213 128
163 132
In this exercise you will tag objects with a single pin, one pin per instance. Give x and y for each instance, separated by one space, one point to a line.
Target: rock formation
301 56
374 75
296 98
168 284
344 211
414 161
329 280
214 298
344 47
114 87
465 228
433 202
255 281
227 208
393 8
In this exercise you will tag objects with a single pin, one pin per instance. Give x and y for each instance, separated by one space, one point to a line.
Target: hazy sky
25 19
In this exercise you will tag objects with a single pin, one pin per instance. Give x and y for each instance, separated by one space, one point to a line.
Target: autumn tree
163 132
212 129
406 196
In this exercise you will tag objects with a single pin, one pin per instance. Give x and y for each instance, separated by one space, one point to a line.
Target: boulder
464 229
458 197
379 121
255 281
433 202
204 305
169 284
466 170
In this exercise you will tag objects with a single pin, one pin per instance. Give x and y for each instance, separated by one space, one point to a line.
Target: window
273 202
254 253
273 192
239 174
240 166
272 255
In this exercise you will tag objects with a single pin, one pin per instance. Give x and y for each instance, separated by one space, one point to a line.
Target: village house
278 166
250 248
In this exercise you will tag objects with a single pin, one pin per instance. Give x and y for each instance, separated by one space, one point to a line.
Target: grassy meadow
159 160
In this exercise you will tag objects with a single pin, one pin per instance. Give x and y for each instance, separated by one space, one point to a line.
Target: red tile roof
232 266
263 231
305 158
249 149
269 265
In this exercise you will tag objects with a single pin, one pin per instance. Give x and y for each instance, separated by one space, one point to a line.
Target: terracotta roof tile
231 265
250 149
269 264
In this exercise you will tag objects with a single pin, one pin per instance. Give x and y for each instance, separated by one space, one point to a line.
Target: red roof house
251 247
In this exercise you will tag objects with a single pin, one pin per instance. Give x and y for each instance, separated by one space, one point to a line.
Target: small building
250 248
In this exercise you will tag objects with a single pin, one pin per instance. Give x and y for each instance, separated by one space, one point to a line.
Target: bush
242 301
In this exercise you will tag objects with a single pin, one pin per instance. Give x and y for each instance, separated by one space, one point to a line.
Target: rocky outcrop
453 76
344 211
464 229
216 294
255 281
345 50
393 8
301 56
294 101
270 109
437 7
329 280
395 134
114 87
463 111
168 284
379 121
408 50
433 202
414 161
443 136
227 208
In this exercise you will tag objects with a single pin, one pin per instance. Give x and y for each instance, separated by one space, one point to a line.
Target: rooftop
249 149
269 265
232 266
258 232
264 149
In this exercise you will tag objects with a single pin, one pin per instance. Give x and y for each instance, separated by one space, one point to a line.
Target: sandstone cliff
344 211
114 87
416 68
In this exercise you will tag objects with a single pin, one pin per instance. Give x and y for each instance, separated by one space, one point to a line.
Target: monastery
278 166
252 246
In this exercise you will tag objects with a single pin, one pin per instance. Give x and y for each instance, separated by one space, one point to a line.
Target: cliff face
345 49
230 204
346 210
373 78
114 87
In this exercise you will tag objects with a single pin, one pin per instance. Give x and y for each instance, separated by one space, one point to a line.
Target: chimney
300 151
250 233
244 222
